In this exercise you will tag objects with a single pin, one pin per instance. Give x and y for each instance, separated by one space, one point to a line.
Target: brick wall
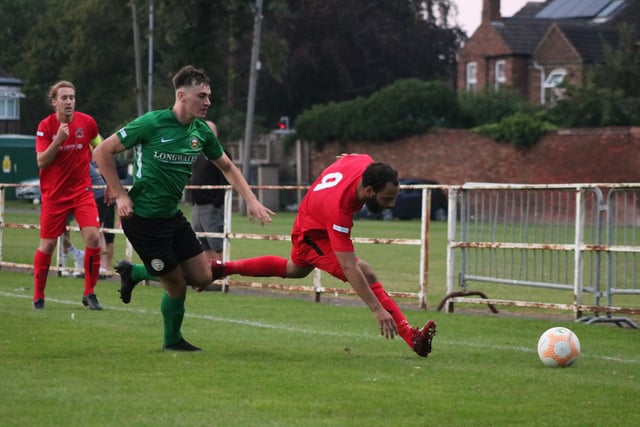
454 157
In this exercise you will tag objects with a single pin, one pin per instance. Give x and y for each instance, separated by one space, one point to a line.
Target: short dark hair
189 76
378 174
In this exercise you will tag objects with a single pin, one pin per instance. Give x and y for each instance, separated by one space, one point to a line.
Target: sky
470 12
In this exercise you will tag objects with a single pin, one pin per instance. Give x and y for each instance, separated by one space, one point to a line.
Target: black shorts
107 218
162 243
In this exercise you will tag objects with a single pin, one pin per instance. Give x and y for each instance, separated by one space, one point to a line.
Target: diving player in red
321 237
64 141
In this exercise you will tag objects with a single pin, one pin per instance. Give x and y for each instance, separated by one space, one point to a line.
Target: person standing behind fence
107 219
166 144
63 149
207 206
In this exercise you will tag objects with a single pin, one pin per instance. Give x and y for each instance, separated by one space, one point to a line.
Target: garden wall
454 157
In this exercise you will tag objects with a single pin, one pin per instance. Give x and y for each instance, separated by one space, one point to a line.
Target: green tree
17 17
341 50
404 108
611 95
312 51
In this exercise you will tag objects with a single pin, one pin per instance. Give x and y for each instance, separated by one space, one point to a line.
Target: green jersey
164 150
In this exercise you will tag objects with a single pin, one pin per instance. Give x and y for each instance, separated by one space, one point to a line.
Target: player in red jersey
321 237
64 141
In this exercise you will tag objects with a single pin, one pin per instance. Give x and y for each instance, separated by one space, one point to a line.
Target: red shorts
53 216
316 250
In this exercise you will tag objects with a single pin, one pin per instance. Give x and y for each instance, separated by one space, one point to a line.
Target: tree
312 52
611 95
340 50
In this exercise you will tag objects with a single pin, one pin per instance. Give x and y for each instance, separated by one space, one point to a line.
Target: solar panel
566 9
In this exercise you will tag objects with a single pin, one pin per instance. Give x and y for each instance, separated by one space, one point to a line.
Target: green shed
18 155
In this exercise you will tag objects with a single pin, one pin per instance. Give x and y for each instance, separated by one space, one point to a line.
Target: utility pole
136 52
150 59
253 78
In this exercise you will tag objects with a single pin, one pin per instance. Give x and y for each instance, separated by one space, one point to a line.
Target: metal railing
582 239
228 236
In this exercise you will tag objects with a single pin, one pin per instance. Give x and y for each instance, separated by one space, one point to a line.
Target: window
500 74
555 78
10 103
472 76
551 86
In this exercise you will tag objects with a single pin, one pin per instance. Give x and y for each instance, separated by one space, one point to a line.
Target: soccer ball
558 346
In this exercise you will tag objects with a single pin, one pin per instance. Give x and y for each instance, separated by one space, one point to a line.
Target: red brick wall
454 157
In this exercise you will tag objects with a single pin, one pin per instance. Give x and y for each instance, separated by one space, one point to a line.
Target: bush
405 108
521 129
491 106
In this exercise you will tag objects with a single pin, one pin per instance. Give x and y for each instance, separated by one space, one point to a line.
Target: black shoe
181 345
38 304
91 302
123 268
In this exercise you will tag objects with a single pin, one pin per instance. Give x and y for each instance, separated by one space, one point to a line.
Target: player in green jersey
165 144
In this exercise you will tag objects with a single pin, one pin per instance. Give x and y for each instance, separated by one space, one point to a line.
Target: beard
373 205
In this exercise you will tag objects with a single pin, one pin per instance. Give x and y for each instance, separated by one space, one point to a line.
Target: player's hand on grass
388 327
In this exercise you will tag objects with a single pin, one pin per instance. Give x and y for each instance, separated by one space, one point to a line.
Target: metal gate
578 241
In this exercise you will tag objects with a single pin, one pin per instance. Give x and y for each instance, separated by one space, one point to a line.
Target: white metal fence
578 242
228 235
577 238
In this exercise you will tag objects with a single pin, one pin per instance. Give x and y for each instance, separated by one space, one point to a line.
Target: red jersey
68 175
329 205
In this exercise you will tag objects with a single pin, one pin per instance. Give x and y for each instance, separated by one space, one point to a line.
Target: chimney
490 11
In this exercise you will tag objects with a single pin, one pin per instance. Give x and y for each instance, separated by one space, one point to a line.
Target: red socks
404 328
41 262
91 268
262 266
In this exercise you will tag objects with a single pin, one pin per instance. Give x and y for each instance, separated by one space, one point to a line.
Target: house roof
529 10
523 31
522 35
589 41
629 13
567 9
7 80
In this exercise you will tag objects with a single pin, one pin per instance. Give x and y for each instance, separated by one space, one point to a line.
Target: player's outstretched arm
358 282
255 209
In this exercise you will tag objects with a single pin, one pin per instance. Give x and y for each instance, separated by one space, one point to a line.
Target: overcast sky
470 12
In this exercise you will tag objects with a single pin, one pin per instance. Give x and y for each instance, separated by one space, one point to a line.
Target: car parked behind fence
409 203
30 190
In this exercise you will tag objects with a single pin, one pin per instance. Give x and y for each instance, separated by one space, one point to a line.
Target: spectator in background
69 248
207 206
64 140
107 214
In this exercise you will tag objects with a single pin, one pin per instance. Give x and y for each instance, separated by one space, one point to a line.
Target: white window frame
500 73
10 103
472 76
554 78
